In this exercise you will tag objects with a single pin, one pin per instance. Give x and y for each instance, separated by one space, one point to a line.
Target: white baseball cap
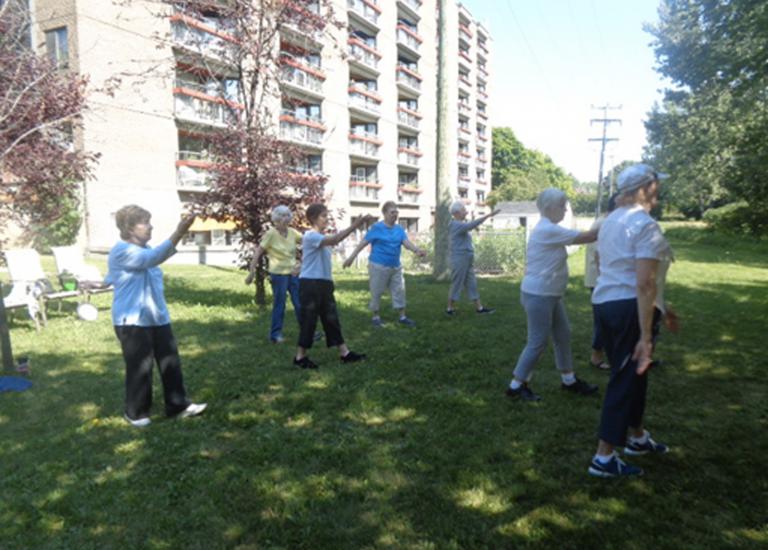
636 176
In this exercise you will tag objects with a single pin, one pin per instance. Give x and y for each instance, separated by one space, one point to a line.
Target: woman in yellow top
279 244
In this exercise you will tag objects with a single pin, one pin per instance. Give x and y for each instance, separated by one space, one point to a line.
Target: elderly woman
279 244
631 248
384 270
541 293
140 317
463 256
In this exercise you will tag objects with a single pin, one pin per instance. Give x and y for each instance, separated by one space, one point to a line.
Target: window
57 47
411 225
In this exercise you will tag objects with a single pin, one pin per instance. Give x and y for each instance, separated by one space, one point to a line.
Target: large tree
252 169
519 173
711 128
40 106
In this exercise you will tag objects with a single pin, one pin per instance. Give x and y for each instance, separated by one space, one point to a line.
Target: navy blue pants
624 403
282 285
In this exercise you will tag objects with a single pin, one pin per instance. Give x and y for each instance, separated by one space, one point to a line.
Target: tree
40 107
709 132
252 169
519 173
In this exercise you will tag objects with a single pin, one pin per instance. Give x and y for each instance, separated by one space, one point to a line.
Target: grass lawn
417 448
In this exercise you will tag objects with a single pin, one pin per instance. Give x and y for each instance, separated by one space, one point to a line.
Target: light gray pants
463 276
382 278
546 315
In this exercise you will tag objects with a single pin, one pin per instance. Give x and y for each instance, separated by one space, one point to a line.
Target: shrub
500 252
739 218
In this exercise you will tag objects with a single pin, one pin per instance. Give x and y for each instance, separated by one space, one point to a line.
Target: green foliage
60 232
500 252
519 173
416 448
738 218
711 131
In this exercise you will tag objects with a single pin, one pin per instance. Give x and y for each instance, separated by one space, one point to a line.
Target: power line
603 141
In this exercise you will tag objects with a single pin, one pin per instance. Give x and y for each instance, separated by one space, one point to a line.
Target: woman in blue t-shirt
384 269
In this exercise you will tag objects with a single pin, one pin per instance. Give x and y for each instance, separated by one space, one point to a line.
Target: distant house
523 214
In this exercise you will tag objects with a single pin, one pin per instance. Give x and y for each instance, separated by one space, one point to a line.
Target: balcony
481 182
481 160
482 72
207 37
482 94
409 78
208 111
463 182
411 6
464 130
482 137
408 157
409 39
364 100
464 156
364 144
465 107
367 10
464 81
302 130
365 55
361 189
192 178
308 12
303 77
465 58
464 30
409 118
408 194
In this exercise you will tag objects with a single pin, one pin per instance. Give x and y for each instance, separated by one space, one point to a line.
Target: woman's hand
642 354
250 277
348 262
671 321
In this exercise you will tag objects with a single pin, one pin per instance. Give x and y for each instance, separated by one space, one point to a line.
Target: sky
551 60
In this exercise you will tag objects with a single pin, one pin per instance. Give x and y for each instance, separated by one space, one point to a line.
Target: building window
411 225
56 45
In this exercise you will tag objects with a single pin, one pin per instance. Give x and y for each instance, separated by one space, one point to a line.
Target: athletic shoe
485 310
193 409
305 363
650 446
580 387
613 468
377 322
524 393
278 340
139 422
352 357
450 311
405 321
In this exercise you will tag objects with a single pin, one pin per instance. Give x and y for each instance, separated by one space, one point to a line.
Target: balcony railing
309 120
365 100
301 79
413 4
465 30
465 56
408 194
482 114
465 81
206 36
409 118
481 160
364 144
367 9
465 107
361 188
464 155
409 77
463 182
409 38
363 53
482 137
193 177
210 91
482 45
408 156
300 133
201 111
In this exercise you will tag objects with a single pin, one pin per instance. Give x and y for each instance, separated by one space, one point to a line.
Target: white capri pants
382 278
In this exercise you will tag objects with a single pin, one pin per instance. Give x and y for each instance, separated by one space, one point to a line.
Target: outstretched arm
355 252
333 240
413 248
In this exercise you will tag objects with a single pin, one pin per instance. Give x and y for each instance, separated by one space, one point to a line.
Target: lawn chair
27 273
22 297
72 268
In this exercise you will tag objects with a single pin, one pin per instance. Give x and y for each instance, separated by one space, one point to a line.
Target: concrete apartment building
361 103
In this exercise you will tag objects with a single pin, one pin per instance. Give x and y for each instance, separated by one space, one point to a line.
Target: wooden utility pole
603 140
5 336
442 169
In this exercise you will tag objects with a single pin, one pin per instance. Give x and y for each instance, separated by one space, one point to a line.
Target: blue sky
553 59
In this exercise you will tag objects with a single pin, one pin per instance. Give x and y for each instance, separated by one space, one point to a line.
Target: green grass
417 448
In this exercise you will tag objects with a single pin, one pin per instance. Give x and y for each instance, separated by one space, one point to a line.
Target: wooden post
5 336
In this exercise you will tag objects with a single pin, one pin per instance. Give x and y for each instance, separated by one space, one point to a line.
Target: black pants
624 403
316 299
142 346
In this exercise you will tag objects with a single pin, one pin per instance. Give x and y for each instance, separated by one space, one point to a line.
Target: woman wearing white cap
631 247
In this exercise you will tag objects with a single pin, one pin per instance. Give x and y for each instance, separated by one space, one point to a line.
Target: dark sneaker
613 468
450 311
405 321
305 363
580 387
524 393
485 310
650 446
377 322
353 357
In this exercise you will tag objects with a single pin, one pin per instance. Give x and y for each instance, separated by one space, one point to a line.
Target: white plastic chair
70 263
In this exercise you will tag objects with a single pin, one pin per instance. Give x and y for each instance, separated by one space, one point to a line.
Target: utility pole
442 169
605 121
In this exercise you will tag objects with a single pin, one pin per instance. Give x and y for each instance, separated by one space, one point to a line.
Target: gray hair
456 206
280 212
549 198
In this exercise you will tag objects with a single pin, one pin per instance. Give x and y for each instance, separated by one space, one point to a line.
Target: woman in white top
541 293
631 248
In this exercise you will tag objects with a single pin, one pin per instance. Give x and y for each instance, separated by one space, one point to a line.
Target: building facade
360 101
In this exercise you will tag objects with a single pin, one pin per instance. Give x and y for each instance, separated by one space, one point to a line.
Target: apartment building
359 101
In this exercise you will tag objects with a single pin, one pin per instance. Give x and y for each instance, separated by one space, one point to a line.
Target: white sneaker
192 410
140 423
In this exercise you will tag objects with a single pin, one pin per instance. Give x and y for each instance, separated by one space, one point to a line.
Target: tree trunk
5 336
442 188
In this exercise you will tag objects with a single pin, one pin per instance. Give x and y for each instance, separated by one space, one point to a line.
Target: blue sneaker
407 322
613 468
377 322
650 446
